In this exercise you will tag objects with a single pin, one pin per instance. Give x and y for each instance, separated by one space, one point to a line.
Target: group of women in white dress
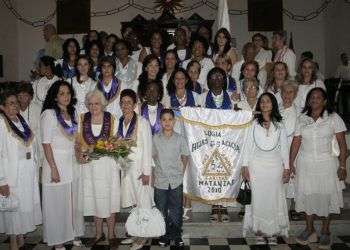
294 134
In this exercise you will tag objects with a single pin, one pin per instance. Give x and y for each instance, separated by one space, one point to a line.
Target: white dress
62 211
287 56
303 90
266 154
236 73
40 87
113 106
141 158
20 174
318 189
32 117
127 75
81 89
101 183
206 65
264 56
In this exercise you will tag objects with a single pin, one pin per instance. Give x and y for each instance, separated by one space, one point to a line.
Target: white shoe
60 248
127 241
138 244
259 240
77 243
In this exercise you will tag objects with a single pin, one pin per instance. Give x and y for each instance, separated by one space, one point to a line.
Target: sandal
93 242
294 215
214 218
259 240
113 243
225 218
185 215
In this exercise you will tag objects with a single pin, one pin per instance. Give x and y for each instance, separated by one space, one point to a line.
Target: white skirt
28 215
318 189
101 188
268 211
61 220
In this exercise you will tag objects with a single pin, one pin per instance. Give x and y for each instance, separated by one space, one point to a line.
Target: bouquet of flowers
115 148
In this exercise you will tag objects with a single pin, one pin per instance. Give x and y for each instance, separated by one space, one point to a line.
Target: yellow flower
100 144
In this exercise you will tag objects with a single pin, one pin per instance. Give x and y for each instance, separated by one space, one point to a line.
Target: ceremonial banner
216 139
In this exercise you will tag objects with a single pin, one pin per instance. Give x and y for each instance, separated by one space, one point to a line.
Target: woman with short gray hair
101 181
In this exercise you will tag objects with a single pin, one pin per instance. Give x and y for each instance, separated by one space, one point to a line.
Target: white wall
314 35
337 34
8 43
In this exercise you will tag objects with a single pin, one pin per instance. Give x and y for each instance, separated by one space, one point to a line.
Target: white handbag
145 221
9 203
290 194
335 147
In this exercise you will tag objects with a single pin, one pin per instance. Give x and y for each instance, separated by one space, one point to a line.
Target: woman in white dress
222 46
318 192
135 179
150 71
126 68
94 52
262 55
279 74
171 62
62 213
109 85
249 96
18 173
289 91
41 86
82 83
67 64
307 79
239 68
179 90
101 178
199 47
266 166
150 109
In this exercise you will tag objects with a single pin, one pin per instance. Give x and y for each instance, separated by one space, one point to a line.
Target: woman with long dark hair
94 51
82 83
222 45
62 215
66 65
150 71
179 90
109 85
266 166
171 62
319 141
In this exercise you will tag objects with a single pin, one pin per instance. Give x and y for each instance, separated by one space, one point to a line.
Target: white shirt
236 73
81 89
206 65
287 56
303 90
289 120
127 74
343 71
264 56
41 86
317 135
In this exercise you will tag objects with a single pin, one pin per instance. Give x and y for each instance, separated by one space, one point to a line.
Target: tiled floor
339 243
